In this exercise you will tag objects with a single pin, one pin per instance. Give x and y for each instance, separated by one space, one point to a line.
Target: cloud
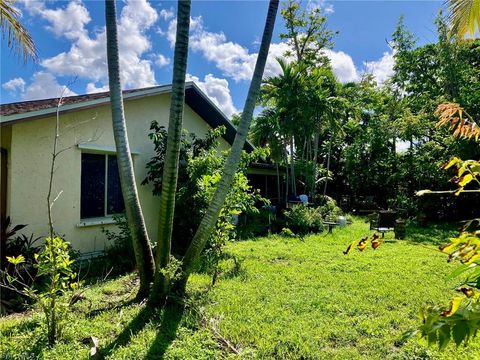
381 69
14 85
161 60
68 22
166 14
92 88
86 57
44 86
234 60
343 66
217 90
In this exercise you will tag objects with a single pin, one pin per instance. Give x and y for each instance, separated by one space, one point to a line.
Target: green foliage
302 219
56 279
119 255
285 291
200 170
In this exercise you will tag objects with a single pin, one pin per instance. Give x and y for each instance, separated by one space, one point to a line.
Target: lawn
288 299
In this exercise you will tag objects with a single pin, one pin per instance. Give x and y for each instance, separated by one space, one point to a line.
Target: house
86 177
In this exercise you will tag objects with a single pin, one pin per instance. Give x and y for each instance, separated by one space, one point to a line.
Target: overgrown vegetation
280 304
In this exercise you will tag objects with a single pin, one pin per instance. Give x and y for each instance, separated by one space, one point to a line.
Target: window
101 194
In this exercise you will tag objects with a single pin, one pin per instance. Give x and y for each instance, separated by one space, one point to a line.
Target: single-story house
86 176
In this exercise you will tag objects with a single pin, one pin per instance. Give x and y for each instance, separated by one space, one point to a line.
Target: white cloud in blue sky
221 60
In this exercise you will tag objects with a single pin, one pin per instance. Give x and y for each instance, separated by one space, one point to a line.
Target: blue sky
224 40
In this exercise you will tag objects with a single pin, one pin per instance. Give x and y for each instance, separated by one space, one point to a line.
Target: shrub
302 219
200 170
119 254
50 286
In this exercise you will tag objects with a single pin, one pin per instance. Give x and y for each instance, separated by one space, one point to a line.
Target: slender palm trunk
161 284
292 166
231 165
315 167
136 223
329 155
279 194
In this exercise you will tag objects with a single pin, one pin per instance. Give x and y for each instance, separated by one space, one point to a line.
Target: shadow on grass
166 321
96 312
433 234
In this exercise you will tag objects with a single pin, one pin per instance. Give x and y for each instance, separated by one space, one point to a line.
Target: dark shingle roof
34 105
194 97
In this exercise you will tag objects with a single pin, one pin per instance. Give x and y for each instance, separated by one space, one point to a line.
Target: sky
224 41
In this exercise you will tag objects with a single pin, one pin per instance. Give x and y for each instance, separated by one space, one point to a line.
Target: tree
231 165
133 210
170 171
464 17
19 39
306 34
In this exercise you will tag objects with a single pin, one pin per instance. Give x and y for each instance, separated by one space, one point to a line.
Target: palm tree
170 171
231 165
464 17
18 38
136 222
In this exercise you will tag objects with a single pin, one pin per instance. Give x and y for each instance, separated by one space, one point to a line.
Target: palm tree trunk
328 165
315 168
136 222
292 166
161 283
231 165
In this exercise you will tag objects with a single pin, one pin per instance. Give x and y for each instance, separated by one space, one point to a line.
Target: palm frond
17 37
464 17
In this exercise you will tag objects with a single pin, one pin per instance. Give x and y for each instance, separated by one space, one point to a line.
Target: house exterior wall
30 159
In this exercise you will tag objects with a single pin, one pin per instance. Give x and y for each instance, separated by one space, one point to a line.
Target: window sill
107 220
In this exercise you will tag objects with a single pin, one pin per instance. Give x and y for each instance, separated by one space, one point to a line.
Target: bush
329 209
303 220
119 254
51 285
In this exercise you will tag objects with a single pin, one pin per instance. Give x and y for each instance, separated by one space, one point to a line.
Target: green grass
290 299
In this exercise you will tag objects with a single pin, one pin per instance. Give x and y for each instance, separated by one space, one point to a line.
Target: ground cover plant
287 299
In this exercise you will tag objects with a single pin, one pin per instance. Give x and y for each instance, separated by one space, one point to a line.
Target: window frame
94 219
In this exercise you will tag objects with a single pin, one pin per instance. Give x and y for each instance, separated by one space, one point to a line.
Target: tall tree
231 165
136 222
18 38
170 171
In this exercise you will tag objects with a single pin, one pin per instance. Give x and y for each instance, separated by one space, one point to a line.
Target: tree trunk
328 165
279 193
292 167
231 165
161 284
136 223
315 168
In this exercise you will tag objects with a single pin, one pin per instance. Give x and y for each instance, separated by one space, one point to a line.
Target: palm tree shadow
171 317
167 321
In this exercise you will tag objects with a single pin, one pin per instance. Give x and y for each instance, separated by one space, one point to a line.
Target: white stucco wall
30 159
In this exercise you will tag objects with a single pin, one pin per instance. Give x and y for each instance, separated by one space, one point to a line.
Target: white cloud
234 60
343 66
68 22
92 88
45 86
217 90
323 5
166 14
87 55
14 85
381 69
161 60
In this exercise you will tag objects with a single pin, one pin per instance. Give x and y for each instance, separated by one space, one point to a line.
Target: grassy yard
289 299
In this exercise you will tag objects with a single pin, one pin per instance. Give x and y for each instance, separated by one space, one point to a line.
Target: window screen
93 186
99 170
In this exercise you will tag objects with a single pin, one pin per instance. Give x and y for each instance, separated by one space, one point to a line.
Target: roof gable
194 97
